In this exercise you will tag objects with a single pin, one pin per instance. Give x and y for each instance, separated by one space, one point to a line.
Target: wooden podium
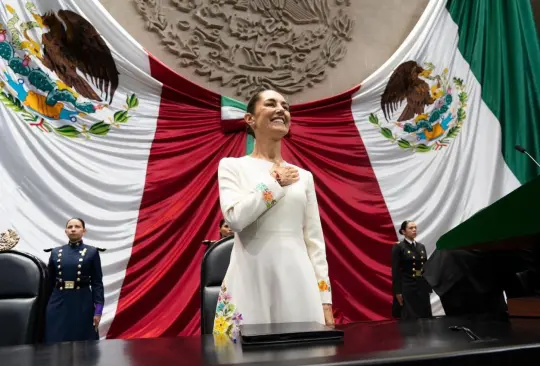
511 223
524 306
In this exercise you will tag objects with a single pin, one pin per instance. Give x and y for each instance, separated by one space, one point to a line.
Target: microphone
521 149
467 331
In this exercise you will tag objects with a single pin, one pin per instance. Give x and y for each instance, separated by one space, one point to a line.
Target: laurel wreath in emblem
435 128
100 128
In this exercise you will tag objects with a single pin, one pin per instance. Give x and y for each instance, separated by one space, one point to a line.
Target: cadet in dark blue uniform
76 303
411 290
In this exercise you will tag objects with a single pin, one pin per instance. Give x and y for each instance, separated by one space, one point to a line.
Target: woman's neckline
268 161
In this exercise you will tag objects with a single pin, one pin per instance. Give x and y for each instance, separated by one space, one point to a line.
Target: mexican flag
134 151
444 149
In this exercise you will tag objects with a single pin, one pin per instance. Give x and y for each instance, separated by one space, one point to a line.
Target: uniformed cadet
76 303
411 290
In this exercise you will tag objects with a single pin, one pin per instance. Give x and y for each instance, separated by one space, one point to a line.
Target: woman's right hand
399 298
285 175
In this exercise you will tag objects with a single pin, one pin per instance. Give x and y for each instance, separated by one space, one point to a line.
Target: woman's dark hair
221 223
252 101
76 218
404 226
251 109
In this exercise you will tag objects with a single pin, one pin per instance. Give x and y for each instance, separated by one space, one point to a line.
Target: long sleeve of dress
313 236
98 295
242 207
396 272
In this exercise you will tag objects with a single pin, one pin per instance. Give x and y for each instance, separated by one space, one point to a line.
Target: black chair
214 266
23 298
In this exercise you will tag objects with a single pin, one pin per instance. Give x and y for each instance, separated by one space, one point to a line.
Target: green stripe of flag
234 109
499 41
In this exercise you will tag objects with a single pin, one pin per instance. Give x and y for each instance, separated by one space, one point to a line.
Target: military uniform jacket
407 279
76 279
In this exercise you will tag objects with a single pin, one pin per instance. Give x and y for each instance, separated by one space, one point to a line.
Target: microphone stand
521 149
467 331
532 159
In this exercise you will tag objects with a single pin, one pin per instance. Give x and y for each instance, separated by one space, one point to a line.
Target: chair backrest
214 267
23 298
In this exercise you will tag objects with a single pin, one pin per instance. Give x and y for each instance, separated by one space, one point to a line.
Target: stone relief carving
286 45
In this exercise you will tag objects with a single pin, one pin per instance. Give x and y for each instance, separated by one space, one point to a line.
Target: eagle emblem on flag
420 110
59 74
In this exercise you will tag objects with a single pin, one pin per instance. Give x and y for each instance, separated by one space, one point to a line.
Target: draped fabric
179 210
139 164
357 226
443 163
63 154
500 42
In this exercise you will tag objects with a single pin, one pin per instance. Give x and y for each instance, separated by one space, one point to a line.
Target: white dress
278 271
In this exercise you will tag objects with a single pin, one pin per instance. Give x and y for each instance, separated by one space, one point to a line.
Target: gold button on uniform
79 266
80 260
78 280
60 273
78 273
61 288
78 287
59 266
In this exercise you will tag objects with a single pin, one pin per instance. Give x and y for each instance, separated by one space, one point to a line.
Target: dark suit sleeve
426 282
97 284
51 275
396 273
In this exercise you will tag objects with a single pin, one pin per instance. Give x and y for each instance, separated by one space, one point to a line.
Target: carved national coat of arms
285 45
421 110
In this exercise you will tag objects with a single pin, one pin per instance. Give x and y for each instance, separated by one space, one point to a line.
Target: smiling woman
278 271
279 118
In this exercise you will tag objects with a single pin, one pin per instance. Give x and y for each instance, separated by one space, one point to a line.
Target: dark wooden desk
425 342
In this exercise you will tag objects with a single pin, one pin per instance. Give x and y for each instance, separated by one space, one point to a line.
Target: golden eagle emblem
76 75
405 84
72 44
432 107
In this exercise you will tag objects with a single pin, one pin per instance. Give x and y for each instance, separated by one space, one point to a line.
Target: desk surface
418 342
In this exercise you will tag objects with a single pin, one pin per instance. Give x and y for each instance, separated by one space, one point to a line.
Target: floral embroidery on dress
268 196
221 340
227 320
324 286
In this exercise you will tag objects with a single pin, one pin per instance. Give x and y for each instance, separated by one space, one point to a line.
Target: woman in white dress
278 271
